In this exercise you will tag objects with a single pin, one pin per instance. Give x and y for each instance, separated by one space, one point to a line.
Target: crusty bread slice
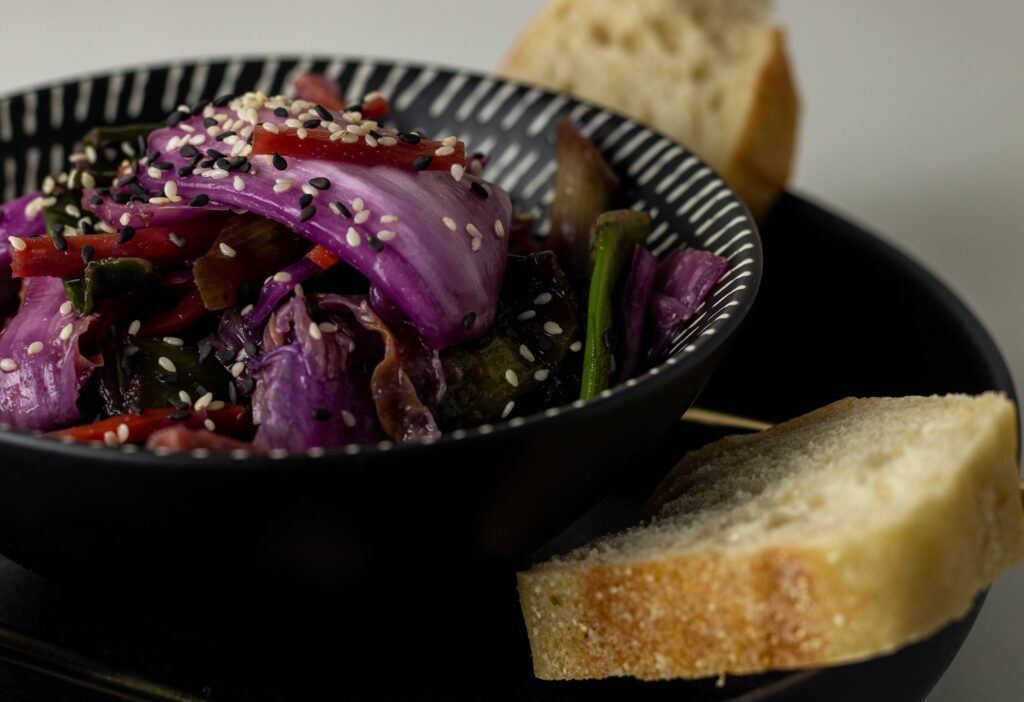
710 73
837 536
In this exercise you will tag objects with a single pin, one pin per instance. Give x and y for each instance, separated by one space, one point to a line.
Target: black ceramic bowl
216 528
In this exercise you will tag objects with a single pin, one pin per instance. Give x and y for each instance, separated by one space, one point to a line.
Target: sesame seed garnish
271 127
541 374
173 341
308 189
278 162
125 235
110 438
371 141
282 185
469 320
179 416
301 133
60 242
314 331
473 231
178 240
542 299
203 402
357 204
323 113
8 365
526 353
125 219
352 237
35 347
387 141
552 328
17 243
361 216
320 183
88 180
576 346
283 277
171 189
237 369
388 219
512 378
444 151
422 163
328 327
155 173
66 308
528 314
344 137
348 418
210 426
167 364
386 235
508 409
475 244
280 112
88 251
457 172
238 184
123 433
306 213
227 250
409 137
375 243
305 200
133 328
479 190
450 223
48 185
339 208
217 405
499 228
247 310
321 414
72 211
200 200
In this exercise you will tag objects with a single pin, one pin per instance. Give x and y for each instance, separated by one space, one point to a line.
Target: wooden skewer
698 415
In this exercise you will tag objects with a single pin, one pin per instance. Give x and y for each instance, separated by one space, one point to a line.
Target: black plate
891 328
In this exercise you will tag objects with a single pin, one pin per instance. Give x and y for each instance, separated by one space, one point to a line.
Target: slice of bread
709 73
837 536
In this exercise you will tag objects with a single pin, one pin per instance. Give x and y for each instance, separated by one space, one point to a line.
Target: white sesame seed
499 228
387 141
357 204
8 364
173 341
125 219
526 353
171 189
293 123
299 291
371 141
457 172
238 184
348 418
282 185
314 331
35 347
361 216
386 235
160 200
17 243
542 299
283 277
512 378
210 426
352 237
227 250
133 328
247 310
508 409
90 153
388 219
301 133
528 314
123 433
450 223
67 331
72 211
541 374
203 402
110 438
271 127
197 139
576 346
310 190
167 364
66 308
444 151
328 327
237 369
356 129
154 173
473 231
217 405
475 244
346 137
352 116
552 328
332 127
88 180
48 185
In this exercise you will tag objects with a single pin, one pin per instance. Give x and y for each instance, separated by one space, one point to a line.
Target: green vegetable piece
59 215
115 144
535 325
618 233
109 278
585 186
248 249
145 381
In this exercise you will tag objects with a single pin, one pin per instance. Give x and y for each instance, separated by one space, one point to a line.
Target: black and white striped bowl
500 490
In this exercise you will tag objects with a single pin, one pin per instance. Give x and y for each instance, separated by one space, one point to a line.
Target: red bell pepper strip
317 88
322 257
187 311
318 145
40 256
180 438
375 108
230 419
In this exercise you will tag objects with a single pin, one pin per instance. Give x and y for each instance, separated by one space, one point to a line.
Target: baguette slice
710 73
838 536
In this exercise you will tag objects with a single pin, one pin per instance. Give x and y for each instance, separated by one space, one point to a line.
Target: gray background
913 124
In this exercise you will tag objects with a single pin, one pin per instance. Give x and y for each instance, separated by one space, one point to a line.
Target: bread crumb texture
709 73
840 535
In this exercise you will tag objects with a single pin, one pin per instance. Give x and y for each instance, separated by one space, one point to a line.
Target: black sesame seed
178 240
131 350
479 190
138 190
88 251
245 167
153 156
169 378
320 183
375 243
374 134
280 112
236 162
199 107
409 137
306 213
346 212
94 199
251 350
478 155
200 200
208 163
127 180
223 164
163 165
422 163
86 227
305 200
232 393
188 151
174 119
135 409
59 242
205 350
222 100
226 356
321 415
279 162
178 404
179 416
469 320
125 235
213 153
224 135
140 144
311 123
209 122
201 390
324 114
185 171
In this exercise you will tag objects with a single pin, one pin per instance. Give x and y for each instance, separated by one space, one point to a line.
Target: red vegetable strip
375 109
40 256
317 88
187 312
322 257
180 438
230 419
318 145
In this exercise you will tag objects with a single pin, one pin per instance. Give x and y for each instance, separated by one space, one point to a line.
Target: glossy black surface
797 351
